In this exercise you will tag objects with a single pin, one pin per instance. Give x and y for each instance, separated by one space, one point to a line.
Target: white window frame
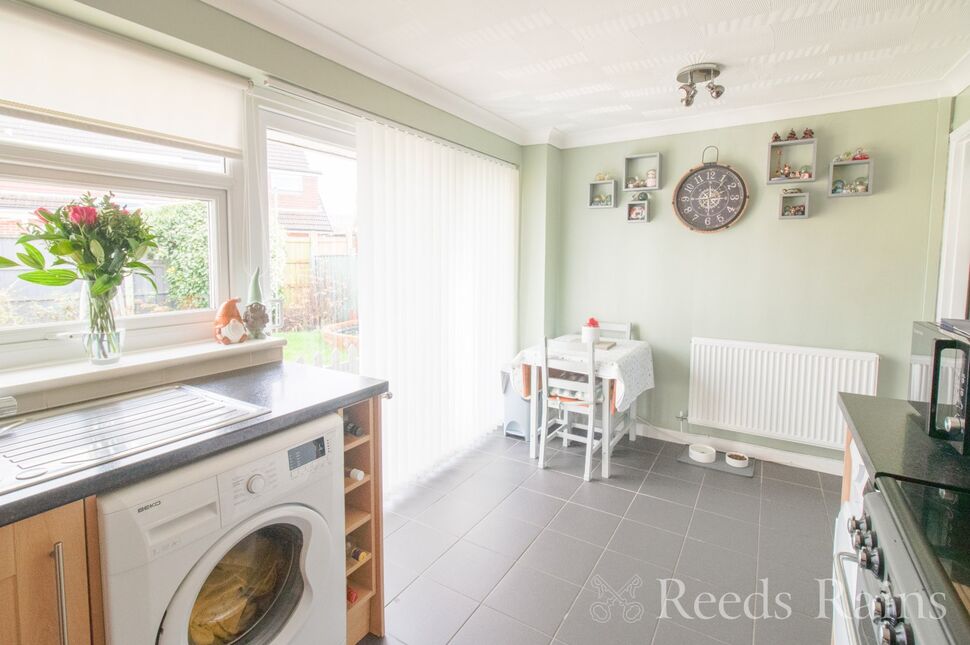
34 344
955 251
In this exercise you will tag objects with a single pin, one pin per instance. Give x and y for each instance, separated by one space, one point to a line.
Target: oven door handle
847 612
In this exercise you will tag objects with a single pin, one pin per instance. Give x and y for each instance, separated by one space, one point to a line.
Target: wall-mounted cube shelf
855 175
798 154
642 172
602 194
793 206
638 211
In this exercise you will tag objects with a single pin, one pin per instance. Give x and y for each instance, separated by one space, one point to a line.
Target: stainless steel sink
39 447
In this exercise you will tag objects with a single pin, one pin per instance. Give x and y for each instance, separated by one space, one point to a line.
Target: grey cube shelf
638 212
606 190
848 171
793 199
638 166
797 153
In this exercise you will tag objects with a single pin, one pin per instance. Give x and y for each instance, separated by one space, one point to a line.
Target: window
183 194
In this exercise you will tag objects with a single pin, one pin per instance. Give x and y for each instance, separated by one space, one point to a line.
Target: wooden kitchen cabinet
44 594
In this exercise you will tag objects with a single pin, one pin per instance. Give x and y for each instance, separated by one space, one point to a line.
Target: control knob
256 484
859 523
886 606
860 539
891 633
953 424
871 559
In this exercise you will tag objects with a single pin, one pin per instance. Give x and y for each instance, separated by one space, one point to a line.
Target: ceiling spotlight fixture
689 76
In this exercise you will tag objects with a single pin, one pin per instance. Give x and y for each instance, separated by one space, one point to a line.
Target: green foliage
182 236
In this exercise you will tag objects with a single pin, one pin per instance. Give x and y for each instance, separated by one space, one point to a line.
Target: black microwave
939 376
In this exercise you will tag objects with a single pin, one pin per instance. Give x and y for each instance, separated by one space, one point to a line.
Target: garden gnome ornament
229 327
256 317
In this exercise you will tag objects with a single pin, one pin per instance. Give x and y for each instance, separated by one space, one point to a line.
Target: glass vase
102 340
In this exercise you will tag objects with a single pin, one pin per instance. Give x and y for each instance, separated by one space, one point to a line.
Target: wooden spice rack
363 521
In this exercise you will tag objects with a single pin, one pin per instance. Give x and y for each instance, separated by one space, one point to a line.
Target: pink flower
124 211
84 215
43 214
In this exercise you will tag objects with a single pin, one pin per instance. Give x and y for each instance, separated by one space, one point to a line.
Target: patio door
310 188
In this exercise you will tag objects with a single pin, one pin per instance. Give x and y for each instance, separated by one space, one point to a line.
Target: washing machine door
254 586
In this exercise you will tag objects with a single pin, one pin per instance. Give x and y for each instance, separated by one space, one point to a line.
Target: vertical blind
438 247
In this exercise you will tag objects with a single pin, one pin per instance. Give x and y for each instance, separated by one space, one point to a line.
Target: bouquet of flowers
96 241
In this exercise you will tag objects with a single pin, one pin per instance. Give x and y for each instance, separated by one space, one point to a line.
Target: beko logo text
146 507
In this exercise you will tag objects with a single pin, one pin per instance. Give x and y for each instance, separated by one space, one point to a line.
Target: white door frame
955 255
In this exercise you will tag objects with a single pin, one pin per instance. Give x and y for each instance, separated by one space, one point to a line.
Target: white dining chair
570 387
616 331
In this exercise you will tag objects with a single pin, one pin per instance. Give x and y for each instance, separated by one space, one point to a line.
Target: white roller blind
438 243
52 64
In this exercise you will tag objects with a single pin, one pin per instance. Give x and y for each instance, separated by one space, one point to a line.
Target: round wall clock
710 197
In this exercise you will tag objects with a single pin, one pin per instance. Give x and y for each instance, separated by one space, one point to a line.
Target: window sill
59 375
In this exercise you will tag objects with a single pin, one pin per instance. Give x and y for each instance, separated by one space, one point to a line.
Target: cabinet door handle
58 555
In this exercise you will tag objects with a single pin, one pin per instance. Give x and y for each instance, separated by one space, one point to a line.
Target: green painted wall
961 109
197 30
852 276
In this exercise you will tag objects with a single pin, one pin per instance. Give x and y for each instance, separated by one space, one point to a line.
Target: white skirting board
822 464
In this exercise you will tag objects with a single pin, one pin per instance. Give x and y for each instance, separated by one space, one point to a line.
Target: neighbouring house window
312 210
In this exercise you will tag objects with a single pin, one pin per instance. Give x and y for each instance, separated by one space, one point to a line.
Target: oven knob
953 424
860 539
256 484
886 606
871 558
892 633
859 523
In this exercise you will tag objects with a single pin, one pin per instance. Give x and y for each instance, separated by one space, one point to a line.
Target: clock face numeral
710 197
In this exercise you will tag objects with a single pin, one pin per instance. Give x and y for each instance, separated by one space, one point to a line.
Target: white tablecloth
629 363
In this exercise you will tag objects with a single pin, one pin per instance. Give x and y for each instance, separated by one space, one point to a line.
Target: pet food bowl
736 459
701 453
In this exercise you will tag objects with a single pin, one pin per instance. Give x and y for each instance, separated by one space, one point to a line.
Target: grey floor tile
831 483
602 497
520 452
791 474
660 513
647 543
489 626
733 535
387 639
631 578
534 598
562 556
626 456
392 522
455 514
670 489
508 470
803 586
643 444
621 476
789 493
470 569
428 613
485 488
503 534
808 551
668 465
710 563
595 619
733 505
416 546
569 464
445 479
494 443
552 483
530 506
794 630
670 633
411 499
585 524
396 579
833 503
735 628
734 483
798 518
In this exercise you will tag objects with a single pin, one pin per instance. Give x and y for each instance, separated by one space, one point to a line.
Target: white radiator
778 391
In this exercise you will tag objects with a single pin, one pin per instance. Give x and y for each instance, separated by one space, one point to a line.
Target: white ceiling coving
577 73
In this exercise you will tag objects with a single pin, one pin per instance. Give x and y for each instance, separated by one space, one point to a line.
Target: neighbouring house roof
303 210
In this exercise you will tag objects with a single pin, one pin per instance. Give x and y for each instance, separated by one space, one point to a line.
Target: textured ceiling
596 66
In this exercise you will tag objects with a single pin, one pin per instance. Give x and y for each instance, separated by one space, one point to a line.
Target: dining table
625 367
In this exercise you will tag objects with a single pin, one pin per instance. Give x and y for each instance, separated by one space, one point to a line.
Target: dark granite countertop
292 392
893 443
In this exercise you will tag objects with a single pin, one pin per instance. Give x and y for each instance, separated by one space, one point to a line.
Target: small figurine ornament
652 178
602 176
805 172
229 327
838 186
860 154
255 316
808 134
791 135
775 137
